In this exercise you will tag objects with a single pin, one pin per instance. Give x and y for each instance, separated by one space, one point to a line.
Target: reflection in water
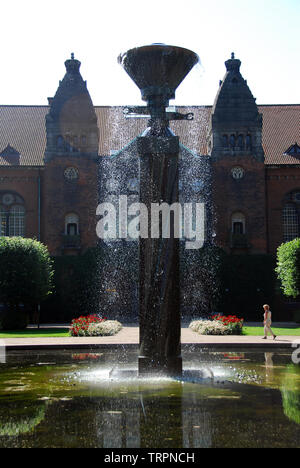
269 366
219 403
110 426
291 395
25 423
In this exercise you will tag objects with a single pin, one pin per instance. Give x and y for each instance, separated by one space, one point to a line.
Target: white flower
106 328
209 327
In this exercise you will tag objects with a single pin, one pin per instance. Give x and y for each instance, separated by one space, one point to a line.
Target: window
3 221
12 215
12 221
293 150
232 141
225 141
60 143
75 144
296 197
72 224
241 142
238 227
68 143
16 220
248 142
290 222
72 229
238 224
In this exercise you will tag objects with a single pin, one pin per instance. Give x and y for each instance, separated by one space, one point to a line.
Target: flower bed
109 327
219 325
80 326
94 325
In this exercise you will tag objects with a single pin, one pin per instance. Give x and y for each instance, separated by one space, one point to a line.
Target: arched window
238 223
72 224
75 143
3 221
290 222
68 143
60 143
12 215
232 141
225 141
248 142
241 142
16 220
83 140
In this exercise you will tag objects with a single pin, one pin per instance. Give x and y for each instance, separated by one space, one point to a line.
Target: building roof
281 129
23 129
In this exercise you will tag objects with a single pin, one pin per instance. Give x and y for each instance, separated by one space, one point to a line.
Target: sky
37 36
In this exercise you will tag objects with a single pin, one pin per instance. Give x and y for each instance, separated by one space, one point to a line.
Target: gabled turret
236 124
71 123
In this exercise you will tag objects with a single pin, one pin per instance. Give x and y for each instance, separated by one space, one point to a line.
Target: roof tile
23 127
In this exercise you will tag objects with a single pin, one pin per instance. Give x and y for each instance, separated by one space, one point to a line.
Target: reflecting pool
94 399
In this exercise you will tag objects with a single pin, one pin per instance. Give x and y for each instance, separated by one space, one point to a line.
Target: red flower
82 323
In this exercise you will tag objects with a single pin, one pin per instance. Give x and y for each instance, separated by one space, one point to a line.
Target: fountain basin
158 69
69 399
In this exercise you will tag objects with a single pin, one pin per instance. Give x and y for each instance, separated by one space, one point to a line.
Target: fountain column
159 313
158 70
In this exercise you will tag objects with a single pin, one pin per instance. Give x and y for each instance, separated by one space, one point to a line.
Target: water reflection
291 395
233 400
269 366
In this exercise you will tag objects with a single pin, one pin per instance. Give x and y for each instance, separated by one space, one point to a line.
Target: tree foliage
247 282
25 271
288 267
76 287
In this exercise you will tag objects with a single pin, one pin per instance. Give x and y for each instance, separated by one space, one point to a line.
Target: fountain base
167 366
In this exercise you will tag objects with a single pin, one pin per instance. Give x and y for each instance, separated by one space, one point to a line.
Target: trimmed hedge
213 280
246 283
26 273
288 267
230 284
76 287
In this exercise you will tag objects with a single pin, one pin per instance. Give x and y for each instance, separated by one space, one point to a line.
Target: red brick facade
25 182
61 197
246 195
248 206
281 181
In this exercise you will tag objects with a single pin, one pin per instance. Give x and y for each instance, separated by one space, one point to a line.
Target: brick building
49 164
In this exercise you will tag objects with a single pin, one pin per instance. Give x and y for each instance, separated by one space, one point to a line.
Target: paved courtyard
129 336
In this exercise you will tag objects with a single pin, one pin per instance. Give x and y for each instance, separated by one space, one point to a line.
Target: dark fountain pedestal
159 315
158 70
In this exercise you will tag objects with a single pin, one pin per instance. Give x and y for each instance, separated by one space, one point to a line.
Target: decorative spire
233 64
72 65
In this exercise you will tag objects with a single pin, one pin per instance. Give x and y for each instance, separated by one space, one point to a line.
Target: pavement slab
129 336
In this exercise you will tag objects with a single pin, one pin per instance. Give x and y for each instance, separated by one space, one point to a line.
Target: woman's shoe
264 338
274 337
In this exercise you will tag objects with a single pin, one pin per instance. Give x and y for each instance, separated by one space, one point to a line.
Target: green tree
288 267
26 273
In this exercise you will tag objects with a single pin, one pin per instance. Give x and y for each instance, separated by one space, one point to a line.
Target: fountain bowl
158 69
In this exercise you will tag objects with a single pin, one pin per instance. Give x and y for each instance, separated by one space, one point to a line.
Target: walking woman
267 322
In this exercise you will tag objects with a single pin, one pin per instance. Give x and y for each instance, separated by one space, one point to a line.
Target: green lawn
63 332
259 331
36 333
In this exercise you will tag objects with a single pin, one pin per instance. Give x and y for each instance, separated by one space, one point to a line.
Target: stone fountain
158 70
